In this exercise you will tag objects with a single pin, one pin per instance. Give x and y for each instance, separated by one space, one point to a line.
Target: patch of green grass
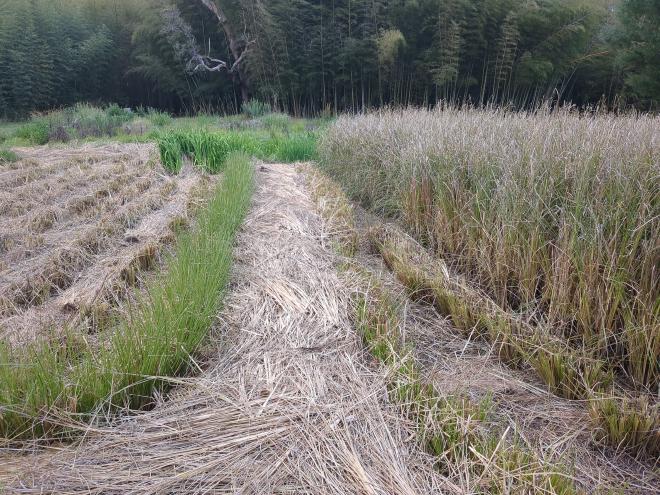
165 329
170 153
34 132
7 156
208 150
295 147
81 121
276 122
159 119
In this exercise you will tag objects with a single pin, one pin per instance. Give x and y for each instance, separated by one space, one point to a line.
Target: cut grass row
572 373
164 330
456 429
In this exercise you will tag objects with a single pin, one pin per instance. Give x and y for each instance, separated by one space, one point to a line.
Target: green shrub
36 131
114 111
255 108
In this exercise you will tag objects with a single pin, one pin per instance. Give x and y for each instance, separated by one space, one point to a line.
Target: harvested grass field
87 330
288 403
78 227
483 319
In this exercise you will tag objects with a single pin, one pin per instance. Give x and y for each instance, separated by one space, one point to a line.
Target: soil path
289 403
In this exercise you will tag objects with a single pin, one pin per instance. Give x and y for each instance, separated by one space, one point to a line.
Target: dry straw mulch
288 403
75 238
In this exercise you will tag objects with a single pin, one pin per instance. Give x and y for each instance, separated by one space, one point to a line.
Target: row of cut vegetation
554 215
39 386
569 372
459 431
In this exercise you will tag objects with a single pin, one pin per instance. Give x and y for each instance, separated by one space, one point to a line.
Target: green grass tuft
7 156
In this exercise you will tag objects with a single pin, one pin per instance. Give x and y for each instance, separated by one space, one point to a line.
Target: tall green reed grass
556 215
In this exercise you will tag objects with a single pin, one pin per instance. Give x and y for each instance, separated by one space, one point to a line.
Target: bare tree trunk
237 47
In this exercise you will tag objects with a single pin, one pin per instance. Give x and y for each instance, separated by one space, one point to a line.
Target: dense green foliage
307 56
165 328
208 150
640 57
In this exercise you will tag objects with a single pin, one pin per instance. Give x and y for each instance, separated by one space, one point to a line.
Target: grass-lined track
164 330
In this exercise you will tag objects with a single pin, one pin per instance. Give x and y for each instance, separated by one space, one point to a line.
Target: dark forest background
313 56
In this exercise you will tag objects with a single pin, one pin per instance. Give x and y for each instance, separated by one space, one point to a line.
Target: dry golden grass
464 401
554 215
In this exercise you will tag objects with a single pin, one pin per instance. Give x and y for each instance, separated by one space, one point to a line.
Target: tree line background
311 56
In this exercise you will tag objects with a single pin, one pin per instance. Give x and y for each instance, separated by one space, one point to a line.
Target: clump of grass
159 119
276 122
631 424
255 108
295 147
35 132
7 156
166 327
208 150
552 214
170 153
567 372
